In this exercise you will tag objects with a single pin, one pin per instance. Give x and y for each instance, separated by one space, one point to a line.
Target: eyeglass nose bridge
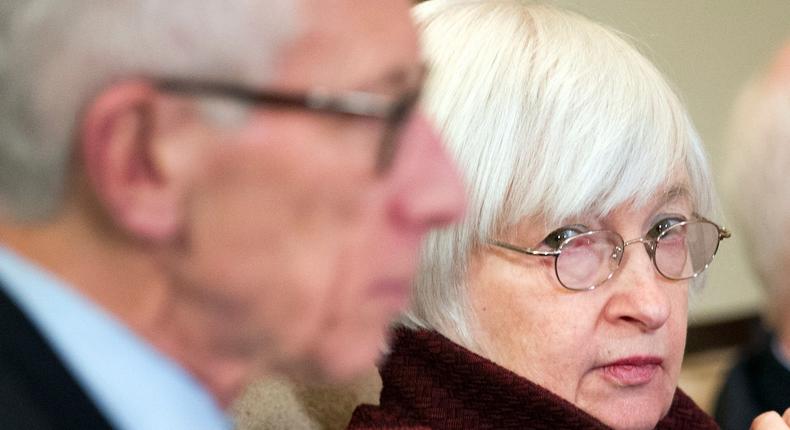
649 244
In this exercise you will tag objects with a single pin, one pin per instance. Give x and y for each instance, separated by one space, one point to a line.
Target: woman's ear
117 145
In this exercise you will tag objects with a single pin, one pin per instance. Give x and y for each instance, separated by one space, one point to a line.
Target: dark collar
431 382
36 390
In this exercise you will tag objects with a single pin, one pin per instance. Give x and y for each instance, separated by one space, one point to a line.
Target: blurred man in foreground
194 194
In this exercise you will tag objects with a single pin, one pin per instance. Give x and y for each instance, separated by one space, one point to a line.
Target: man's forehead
353 44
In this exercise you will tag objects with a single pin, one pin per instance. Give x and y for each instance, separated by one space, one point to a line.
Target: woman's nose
640 295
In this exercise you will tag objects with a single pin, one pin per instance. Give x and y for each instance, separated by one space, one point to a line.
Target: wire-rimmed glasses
394 112
586 260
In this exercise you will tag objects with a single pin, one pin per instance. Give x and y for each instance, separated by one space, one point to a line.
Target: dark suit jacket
36 390
758 383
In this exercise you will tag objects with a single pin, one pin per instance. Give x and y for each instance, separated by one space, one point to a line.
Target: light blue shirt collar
132 384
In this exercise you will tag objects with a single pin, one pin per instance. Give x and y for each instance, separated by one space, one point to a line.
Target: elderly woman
561 301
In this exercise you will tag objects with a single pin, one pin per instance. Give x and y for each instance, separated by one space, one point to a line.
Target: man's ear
117 140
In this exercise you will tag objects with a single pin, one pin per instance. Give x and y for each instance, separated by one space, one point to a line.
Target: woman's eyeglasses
584 260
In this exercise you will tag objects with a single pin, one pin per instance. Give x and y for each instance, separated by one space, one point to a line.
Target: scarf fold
429 382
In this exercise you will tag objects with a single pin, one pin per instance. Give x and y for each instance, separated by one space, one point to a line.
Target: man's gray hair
55 55
756 178
548 115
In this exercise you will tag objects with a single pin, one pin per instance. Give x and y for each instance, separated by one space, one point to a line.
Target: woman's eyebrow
677 192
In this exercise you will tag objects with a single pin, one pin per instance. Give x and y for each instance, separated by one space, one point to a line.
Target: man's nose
429 190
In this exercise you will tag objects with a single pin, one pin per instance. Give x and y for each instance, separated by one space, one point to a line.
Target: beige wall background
708 49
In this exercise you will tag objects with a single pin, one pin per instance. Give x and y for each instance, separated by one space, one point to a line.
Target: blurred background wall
708 49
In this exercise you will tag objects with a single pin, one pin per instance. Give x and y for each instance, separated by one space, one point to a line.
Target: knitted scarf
429 382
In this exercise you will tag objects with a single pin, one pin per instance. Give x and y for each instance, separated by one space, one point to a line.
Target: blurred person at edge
758 159
561 300
194 194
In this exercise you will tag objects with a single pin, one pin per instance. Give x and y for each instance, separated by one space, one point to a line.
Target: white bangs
564 119
612 140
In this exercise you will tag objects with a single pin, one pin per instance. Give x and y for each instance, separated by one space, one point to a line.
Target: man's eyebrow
401 78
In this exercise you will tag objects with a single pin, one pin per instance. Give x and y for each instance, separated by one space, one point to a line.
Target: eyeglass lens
686 250
396 121
681 252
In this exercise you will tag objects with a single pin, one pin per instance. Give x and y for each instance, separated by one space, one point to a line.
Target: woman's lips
632 371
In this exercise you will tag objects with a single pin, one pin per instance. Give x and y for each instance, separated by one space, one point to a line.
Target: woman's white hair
757 166
55 55
548 115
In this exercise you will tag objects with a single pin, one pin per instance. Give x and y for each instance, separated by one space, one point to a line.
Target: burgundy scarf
433 383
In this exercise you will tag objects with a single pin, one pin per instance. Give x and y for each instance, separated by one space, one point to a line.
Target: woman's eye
664 225
556 237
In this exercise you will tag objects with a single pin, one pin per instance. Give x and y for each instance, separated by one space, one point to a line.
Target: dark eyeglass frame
395 113
650 242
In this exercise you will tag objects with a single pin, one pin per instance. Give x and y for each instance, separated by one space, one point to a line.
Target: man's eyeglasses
584 260
395 112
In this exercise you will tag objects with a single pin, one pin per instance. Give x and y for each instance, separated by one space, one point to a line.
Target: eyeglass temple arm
528 251
355 103
723 232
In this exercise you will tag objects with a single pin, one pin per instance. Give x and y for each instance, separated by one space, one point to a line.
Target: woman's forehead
676 196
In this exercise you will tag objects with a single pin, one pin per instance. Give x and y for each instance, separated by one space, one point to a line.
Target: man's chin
345 360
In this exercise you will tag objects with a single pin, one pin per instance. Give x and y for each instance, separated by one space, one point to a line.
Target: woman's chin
629 412
635 421
638 406
627 400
